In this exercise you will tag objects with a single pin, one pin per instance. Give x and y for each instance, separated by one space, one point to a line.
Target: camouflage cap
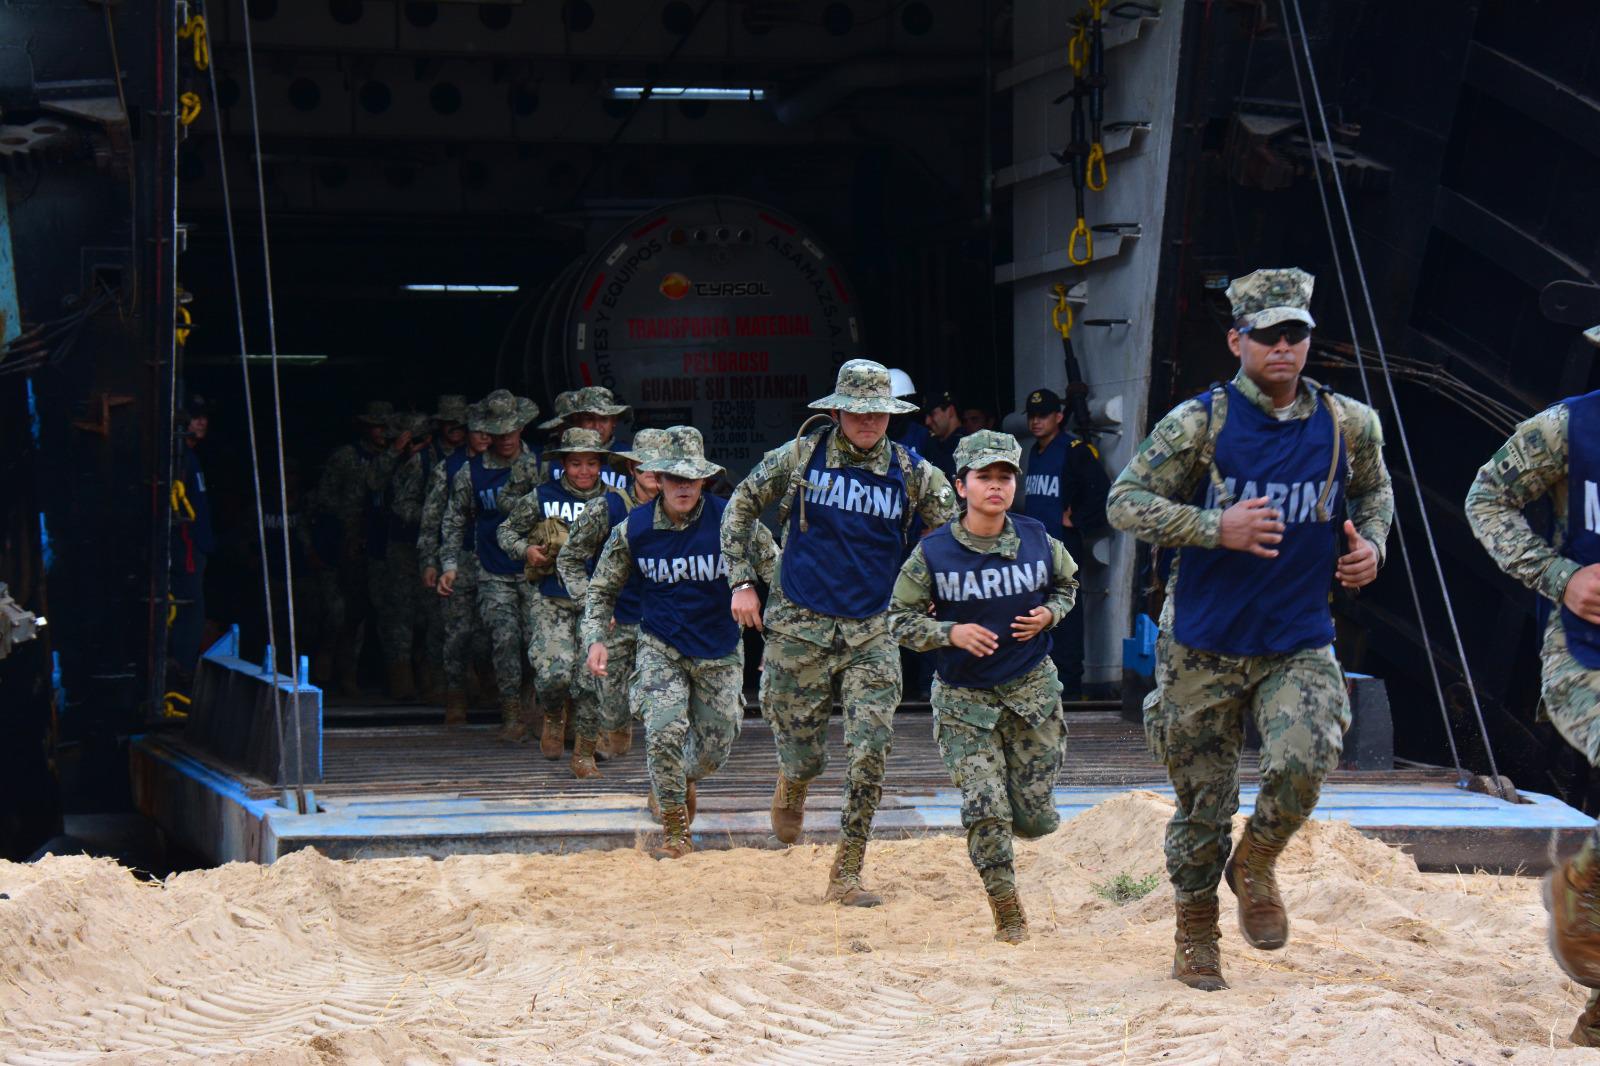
1267 297
563 404
682 454
452 408
574 441
863 387
413 422
501 412
646 443
1592 335
597 400
376 413
987 447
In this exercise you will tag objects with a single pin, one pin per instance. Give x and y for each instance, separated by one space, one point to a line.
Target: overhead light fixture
686 92
463 290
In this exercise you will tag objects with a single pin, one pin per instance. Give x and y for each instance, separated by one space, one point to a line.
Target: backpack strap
903 456
1208 447
1325 394
804 448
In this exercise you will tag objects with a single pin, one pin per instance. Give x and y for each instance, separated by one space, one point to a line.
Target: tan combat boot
583 758
552 738
844 877
675 842
602 746
1572 896
621 741
788 809
402 686
513 729
1587 1032
692 804
1010 923
1197 960
455 708
1262 918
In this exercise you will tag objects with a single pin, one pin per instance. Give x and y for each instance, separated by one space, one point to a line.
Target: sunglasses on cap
1292 332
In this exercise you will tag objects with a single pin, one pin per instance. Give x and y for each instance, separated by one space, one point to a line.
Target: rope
277 403
1394 401
250 414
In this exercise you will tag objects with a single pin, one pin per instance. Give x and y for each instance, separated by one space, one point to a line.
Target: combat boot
675 842
1572 896
691 805
1010 922
1262 919
552 737
1587 1032
844 877
583 759
455 708
602 746
402 685
655 808
513 728
1197 960
788 808
621 741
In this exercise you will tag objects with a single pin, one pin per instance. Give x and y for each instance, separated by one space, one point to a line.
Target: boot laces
794 794
675 821
852 853
1197 923
1008 909
1260 875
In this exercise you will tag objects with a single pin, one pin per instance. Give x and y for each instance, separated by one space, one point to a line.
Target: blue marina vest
556 502
1235 603
686 599
629 606
845 565
1583 514
991 591
486 486
1043 501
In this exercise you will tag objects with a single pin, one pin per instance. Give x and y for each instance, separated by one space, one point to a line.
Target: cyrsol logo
675 286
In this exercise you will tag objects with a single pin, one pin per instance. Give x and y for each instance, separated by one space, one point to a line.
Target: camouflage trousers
558 667
693 710
797 689
505 603
1571 695
396 593
1003 748
1195 724
616 690
465 638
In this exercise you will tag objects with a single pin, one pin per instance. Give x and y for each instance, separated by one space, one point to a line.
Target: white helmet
900 383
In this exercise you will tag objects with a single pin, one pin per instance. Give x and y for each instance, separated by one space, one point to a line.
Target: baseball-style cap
1269 297
987 447
942 399
1042 402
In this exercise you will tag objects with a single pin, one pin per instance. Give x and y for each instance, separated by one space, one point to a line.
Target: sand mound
728 956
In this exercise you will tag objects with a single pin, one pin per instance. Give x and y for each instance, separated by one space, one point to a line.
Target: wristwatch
741 586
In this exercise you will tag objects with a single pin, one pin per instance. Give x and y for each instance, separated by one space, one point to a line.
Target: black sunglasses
1293 332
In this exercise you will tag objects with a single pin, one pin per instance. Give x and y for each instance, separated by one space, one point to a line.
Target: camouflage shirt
527 474
913 627
1150 497
345 486
1529 466
461 508
434 494
585 540
771 481
616 564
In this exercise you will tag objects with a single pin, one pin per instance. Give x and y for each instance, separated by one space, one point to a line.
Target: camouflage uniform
462 638
343 496
594 400
505 601
393 583
552 649
1003 746
1533 465
585 540
1195 718
807 653
693 708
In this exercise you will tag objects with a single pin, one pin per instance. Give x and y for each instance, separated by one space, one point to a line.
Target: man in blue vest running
850 494
1271 487
1556 455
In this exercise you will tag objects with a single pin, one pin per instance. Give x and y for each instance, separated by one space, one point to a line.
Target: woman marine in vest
688 676
534 533
576 561
1556 454
996 583
504 598
1246 628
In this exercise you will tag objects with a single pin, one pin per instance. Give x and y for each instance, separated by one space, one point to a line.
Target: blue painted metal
10 310
232 713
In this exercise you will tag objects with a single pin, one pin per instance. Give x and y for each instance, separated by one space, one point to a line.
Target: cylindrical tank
716 312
